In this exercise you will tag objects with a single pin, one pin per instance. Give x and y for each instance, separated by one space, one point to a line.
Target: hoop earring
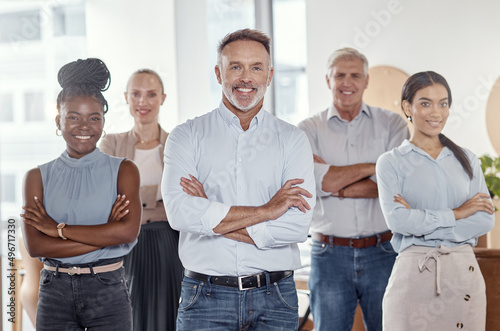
104 134
58 134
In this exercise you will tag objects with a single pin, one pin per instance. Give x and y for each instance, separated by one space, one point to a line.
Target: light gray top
82 192
340 142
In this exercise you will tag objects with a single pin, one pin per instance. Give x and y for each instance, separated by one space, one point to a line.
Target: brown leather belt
354 242
80 270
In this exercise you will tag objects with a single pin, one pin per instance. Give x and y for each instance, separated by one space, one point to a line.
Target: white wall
129 35
456 38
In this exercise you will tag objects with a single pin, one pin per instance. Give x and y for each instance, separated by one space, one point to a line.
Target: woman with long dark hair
435 201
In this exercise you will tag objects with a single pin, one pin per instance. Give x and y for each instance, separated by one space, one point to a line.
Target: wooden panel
493 116
489 262
384 89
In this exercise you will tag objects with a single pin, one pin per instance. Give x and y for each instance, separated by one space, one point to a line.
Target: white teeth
347 92
143 111
245 90
434 123
83 137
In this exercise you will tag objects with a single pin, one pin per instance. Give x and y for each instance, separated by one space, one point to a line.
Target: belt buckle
72 270
240 282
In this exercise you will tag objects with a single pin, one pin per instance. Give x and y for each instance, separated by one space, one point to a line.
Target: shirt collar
333 112
406 147
230 117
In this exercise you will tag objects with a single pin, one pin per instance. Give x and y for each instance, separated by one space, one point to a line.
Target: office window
223 17
20 26
6 108
290 58
69 20
34 106
8 187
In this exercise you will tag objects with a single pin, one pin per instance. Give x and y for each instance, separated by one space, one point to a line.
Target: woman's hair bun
90 72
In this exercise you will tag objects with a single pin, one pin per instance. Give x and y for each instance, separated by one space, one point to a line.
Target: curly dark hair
89 77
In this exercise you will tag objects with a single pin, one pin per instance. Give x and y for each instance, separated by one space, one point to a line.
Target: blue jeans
75 302
204 306
340 276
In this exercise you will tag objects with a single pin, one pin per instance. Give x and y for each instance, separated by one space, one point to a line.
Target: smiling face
144 96
429 111
244 72
347 82
81 120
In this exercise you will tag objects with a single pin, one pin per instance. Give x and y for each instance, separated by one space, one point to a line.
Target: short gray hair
346 54
245 34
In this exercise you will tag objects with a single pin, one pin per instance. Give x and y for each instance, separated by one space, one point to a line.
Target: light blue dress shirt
339 142
237 168
432 188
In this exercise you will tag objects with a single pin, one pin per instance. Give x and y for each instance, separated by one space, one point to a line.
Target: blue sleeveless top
82 191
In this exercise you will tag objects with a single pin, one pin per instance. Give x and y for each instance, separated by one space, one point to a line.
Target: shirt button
467 297
239 187
460 326
471 268
239 159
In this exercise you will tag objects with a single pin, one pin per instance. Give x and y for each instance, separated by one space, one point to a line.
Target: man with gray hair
238 184
351 256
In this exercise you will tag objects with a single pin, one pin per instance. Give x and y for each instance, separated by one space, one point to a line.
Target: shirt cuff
214 215
320 171
448 217
260 235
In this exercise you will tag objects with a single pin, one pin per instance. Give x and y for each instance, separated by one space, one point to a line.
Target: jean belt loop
91 270
57 270
268 281
209 283
330 239
379 239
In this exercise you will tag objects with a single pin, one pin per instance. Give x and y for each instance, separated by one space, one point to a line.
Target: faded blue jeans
205 306
340 276
75 302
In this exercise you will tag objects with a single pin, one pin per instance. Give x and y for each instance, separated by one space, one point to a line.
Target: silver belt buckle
240 282
72 270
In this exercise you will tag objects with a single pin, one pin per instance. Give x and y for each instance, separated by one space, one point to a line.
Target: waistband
74 270
354 242
243 282
434 253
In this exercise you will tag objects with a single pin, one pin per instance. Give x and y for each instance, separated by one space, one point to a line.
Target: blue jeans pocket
318 248
190 292
386 247
287 295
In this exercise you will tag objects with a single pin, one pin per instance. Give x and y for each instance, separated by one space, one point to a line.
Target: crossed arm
234 225
353 179
40 230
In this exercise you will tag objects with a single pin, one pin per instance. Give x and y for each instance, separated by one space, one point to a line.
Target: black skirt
154 275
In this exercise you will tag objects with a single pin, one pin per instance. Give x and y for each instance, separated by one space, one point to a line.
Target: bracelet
60 226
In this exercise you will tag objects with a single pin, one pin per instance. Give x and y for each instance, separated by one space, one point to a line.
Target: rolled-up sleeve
186 213
308 126
293 225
